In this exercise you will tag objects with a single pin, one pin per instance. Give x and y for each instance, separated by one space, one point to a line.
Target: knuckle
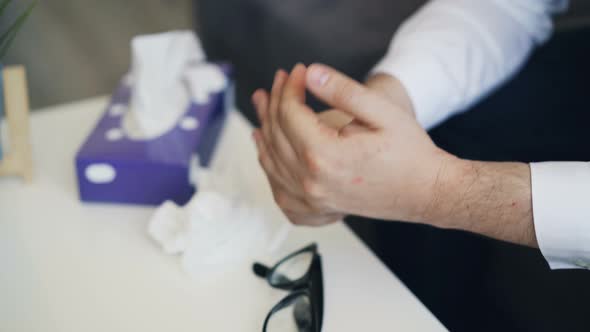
345 92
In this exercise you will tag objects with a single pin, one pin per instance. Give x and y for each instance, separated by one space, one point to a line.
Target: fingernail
318 75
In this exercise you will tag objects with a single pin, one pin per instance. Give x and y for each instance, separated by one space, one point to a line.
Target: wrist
450 174
488 198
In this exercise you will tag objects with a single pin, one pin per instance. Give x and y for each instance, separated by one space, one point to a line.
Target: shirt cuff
412 73
561 212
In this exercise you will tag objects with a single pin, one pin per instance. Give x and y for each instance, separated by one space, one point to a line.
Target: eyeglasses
301 310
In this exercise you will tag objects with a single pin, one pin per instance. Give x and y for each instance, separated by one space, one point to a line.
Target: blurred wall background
75 49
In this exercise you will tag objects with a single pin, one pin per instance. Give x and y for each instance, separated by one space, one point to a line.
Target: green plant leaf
8 36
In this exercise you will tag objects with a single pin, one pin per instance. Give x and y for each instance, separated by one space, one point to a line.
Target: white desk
72 267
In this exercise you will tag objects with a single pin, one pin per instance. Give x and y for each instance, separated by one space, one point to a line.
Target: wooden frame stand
17 160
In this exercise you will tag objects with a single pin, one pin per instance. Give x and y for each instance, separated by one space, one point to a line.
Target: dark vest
577 16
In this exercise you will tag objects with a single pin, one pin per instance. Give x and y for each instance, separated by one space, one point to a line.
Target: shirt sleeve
451 53
561 212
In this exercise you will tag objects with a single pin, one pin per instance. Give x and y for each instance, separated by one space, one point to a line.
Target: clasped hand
367 156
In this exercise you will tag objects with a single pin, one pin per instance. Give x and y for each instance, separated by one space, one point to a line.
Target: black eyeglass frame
310 285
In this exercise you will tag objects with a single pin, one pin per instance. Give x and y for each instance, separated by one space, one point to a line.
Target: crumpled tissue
218 230
168 72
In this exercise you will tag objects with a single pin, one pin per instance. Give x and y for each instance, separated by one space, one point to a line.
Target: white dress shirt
452 53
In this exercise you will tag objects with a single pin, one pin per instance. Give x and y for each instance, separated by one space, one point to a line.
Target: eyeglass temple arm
260 270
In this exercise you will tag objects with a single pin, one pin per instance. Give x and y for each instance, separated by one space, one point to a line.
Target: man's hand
368 156
382 164
391 88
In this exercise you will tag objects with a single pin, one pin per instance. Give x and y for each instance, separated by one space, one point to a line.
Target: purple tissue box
113 168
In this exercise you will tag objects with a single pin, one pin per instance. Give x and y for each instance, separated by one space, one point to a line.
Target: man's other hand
378 163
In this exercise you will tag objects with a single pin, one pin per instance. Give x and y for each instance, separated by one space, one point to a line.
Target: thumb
346 94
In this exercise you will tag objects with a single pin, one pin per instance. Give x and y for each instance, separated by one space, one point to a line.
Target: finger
260 100
343 122
270 129
273 171
342 92
299 123
352 128
295 85
264 158
281 148
290 203
275 98
335 118
277 146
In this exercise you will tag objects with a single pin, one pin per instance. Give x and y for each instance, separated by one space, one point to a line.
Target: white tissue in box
160 93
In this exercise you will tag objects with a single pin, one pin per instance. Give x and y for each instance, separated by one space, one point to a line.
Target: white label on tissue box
100 173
